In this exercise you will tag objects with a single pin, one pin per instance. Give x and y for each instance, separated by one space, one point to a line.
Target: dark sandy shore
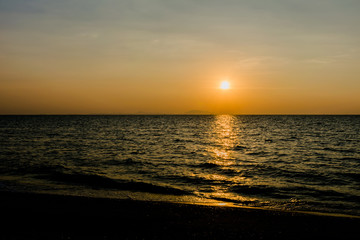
40 216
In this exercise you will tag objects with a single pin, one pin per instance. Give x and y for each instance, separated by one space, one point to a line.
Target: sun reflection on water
224 138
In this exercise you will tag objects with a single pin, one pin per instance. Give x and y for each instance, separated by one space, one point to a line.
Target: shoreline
50 216
325 214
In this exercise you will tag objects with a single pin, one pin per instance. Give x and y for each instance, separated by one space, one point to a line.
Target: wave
128 161
260 153
194 180
309 176
242 202
351 176
102 182
239 148
350 150
351 159
207 165
258 191
26 169
291 192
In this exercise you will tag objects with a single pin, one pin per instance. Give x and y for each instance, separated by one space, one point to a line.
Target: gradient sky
169 56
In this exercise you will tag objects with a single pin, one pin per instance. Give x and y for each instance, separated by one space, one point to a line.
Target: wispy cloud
261 61
327 59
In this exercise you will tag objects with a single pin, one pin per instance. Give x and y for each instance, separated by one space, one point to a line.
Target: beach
45 216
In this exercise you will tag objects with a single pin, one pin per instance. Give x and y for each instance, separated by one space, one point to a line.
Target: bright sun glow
225 85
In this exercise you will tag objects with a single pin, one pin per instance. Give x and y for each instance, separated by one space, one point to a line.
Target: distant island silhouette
196 112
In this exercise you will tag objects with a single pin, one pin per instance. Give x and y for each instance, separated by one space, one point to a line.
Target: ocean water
304 163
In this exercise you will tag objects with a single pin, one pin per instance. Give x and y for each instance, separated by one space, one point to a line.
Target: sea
297 162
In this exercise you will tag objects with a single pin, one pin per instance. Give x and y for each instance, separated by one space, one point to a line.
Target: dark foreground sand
39 216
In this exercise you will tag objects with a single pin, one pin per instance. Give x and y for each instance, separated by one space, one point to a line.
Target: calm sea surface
307 163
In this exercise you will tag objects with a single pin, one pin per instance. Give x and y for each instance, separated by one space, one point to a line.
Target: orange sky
169 57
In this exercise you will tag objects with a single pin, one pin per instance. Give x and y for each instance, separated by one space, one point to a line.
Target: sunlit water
285 162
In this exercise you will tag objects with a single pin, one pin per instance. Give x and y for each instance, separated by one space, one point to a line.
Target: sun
225 85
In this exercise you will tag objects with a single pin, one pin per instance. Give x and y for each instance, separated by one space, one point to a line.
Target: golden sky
170 56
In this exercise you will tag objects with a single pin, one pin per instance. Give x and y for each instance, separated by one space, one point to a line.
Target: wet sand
42 216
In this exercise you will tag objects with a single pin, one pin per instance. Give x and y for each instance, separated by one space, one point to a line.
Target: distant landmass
197 112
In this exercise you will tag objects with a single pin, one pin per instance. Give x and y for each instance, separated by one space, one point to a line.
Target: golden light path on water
224 135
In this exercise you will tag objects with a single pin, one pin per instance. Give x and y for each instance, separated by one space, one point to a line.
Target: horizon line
180 114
